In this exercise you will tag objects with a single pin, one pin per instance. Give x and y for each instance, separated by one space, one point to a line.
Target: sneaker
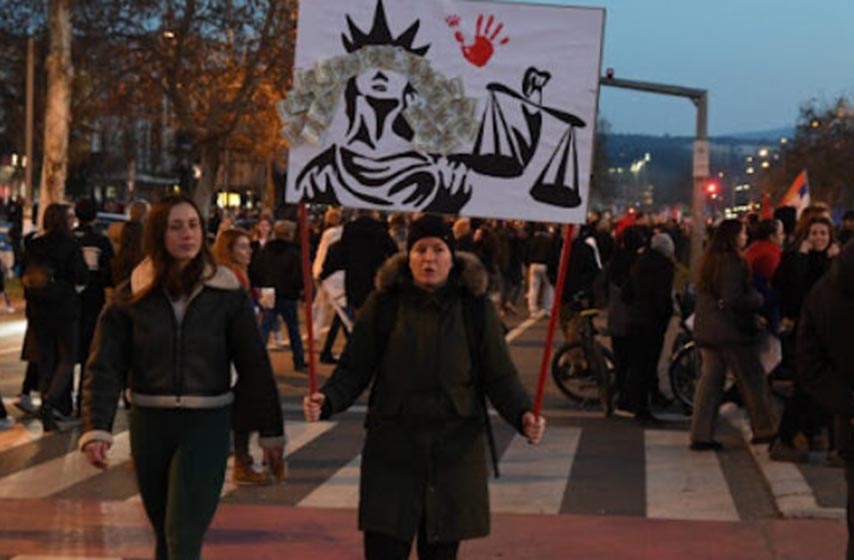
6 423
302 368
623 413
25 405
706 446
328 358
53 420
10 309
786 453
244 475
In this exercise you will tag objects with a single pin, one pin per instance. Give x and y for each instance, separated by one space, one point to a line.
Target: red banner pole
547 351
308 287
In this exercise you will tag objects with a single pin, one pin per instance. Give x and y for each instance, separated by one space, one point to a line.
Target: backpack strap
474 309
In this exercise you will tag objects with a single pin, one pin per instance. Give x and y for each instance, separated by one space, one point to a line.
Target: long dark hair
55 219
724 243
167 274
130 252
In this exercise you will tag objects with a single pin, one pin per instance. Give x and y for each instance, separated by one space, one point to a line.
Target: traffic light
711 188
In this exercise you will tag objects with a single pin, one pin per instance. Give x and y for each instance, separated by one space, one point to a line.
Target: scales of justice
504 149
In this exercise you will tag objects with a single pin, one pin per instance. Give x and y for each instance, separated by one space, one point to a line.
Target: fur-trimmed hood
220 277
468 273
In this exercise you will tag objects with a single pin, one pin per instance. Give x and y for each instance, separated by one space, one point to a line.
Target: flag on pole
798 194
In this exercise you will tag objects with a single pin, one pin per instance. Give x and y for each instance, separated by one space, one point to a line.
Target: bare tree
60 73
219 64
823 144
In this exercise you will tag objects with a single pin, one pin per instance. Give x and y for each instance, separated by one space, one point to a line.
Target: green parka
424 456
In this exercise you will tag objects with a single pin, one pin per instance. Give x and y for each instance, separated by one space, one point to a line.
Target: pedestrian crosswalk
573 470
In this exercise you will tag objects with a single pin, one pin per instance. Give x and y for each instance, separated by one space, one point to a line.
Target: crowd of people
398 289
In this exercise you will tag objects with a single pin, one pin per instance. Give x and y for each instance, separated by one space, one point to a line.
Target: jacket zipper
179 377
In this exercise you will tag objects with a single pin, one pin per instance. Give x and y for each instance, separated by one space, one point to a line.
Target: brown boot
245 475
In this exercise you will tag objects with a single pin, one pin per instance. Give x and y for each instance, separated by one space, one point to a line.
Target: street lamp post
28 133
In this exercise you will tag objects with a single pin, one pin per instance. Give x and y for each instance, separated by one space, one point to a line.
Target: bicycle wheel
573 375
684 372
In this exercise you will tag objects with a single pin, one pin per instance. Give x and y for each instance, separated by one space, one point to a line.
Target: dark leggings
383 547
332 334
56 339
802 413
179 457
641 362
31 379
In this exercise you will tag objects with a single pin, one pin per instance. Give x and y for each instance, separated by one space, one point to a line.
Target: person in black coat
54 269
800 268
364 246
826 359
648 292
98 255
279 266
424 469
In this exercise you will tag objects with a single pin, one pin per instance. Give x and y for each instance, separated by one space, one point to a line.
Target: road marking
40 557
684 484
534 477
523 326
55 475
792 493
15 327
21 433
340 491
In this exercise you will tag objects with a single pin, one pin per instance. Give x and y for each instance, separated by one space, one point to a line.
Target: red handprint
481 50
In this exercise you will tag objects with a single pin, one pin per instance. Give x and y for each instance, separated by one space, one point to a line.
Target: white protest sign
458 107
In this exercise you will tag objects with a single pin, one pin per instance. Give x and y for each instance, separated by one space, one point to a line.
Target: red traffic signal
711 188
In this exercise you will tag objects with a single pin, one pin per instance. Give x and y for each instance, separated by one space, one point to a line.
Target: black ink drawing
370 168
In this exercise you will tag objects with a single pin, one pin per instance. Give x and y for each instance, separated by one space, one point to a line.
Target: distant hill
772 135
670 168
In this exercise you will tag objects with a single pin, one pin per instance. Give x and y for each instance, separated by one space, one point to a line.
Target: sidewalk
119 530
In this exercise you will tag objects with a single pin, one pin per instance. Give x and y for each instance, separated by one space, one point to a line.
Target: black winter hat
430 226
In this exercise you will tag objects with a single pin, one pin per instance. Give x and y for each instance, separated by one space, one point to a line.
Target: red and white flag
798 194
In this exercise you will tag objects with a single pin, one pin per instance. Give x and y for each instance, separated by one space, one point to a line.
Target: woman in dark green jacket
424 465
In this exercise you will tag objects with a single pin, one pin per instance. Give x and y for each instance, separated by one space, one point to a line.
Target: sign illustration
482 109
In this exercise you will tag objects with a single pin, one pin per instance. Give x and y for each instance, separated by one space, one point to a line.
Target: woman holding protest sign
432 345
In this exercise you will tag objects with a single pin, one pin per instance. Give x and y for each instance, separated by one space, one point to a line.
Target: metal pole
28 132
700 97
568 230
701 176
307 287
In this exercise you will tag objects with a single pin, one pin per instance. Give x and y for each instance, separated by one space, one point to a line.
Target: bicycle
583 369
684 368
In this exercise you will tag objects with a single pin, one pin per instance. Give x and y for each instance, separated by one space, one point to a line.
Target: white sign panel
474 108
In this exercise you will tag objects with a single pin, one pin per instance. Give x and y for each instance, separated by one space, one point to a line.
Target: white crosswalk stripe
341 491
681 484
678 483
55 475
297 434
533 478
